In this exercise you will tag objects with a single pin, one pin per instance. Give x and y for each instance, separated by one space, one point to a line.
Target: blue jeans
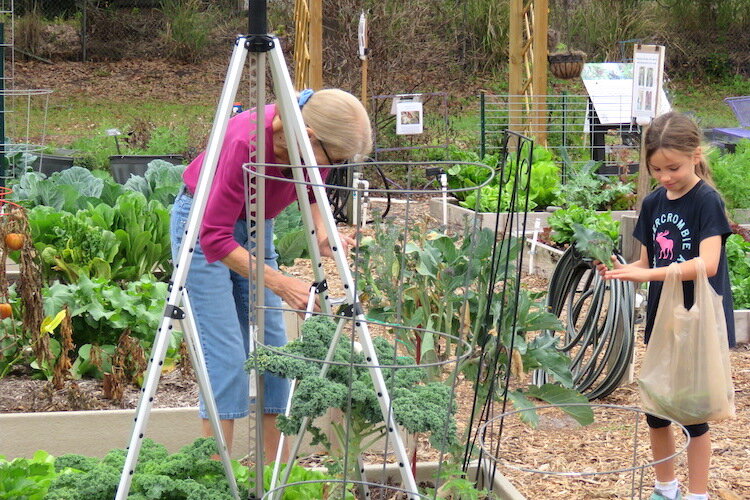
219 299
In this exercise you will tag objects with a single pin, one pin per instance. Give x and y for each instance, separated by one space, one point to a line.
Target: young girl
680 220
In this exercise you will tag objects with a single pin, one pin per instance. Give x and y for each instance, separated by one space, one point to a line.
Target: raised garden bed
458 215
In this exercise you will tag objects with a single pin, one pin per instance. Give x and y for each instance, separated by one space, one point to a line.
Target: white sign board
648 73
409 117
610 88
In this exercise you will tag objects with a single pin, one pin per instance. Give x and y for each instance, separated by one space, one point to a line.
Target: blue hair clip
304 96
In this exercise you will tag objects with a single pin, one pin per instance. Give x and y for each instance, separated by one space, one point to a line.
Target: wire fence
576 127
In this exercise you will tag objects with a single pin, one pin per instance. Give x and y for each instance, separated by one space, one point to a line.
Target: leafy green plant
454 485
593 244
563 221
585 188
162 181
24 478
738 260
289 237
542 187
418 406
101 311
192 473
731 175
119 242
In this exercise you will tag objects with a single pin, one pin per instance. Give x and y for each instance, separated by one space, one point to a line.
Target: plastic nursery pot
123 166
49 164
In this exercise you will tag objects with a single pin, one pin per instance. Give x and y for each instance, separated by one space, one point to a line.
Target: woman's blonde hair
340 121
678 132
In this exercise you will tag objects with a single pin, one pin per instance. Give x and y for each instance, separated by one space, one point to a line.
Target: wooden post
515 65
644 178
364 84
316 44
538 126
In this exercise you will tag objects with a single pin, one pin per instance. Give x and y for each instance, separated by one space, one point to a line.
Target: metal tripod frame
309 177
299 144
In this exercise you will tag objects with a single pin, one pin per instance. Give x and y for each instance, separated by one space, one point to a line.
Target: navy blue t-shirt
672 230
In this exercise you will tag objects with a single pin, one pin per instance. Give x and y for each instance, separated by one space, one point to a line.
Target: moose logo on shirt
672 239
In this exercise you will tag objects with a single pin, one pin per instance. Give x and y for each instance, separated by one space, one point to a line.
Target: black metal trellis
507 262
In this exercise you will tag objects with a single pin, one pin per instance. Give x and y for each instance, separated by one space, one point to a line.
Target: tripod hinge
351 310
259 43
320 286
174 312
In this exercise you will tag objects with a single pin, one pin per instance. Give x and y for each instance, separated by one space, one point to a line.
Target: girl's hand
602 269
347 242
629 273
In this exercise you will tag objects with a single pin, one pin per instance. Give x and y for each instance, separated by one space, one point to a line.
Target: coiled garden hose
599 319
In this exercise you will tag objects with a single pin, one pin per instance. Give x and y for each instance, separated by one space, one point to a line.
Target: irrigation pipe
599 319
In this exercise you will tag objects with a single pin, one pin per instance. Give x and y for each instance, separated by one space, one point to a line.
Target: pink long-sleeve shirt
226 200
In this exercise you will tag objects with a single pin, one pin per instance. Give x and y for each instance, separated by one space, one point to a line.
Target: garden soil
557 443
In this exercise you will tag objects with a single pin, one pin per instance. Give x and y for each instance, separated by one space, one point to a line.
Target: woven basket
566 65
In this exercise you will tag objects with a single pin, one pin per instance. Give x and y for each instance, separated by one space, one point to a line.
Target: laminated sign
408 117
648 72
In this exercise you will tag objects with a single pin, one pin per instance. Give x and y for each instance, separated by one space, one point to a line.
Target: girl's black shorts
693 431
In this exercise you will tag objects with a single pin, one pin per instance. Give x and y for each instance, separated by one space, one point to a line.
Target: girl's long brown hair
678 132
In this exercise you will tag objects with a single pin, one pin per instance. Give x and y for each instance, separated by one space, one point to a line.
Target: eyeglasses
328 157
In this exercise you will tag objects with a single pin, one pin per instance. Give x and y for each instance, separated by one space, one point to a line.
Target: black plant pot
123 166
49 164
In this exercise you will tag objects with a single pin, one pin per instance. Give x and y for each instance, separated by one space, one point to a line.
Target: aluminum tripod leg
201 374
182 266
292 117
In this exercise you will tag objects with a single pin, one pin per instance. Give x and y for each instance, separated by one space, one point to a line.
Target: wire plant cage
559 456
23 112
422 299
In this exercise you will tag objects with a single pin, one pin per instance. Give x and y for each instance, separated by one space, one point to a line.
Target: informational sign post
648 74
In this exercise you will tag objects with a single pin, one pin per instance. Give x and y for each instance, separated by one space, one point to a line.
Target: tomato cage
589 449
386 372
23 122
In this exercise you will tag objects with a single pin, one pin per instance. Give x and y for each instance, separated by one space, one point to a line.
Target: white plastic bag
685 375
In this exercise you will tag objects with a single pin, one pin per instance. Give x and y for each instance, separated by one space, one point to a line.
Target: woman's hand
296 293
347 242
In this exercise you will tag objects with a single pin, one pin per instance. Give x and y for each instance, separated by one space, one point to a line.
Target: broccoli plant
418 406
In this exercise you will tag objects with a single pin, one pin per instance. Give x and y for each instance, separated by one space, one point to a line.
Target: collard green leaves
593 244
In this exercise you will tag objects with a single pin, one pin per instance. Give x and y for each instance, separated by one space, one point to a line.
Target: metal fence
577 129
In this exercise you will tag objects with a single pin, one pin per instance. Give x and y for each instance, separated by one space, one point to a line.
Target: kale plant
417 406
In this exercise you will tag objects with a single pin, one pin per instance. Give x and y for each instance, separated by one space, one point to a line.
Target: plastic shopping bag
685 375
